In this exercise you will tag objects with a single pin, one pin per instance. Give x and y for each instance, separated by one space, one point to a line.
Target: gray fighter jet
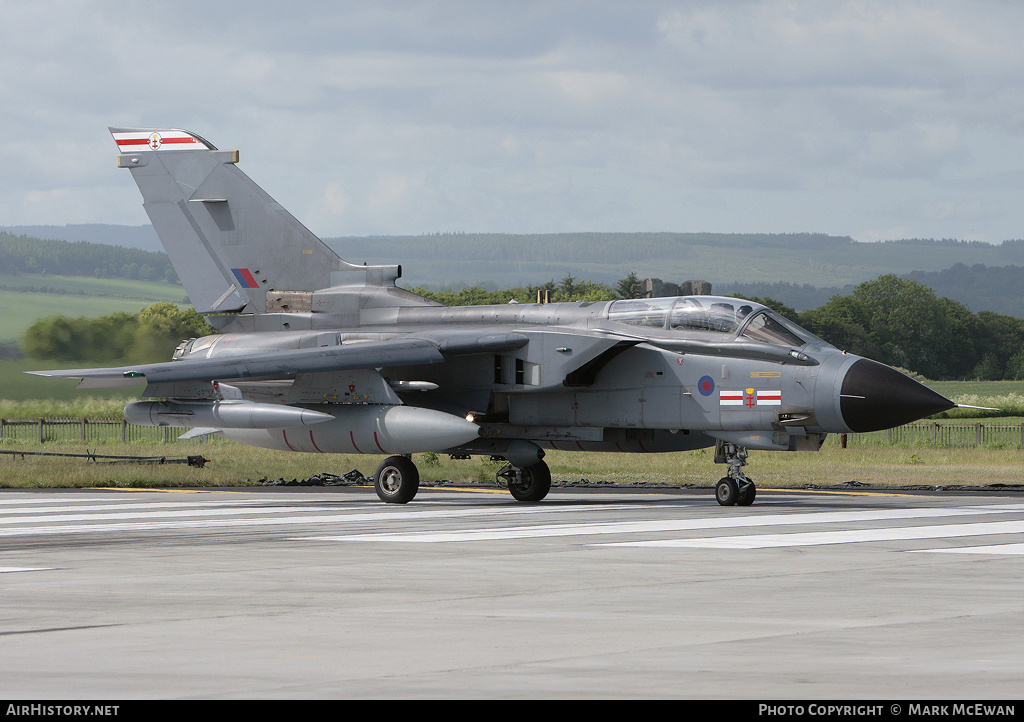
320 355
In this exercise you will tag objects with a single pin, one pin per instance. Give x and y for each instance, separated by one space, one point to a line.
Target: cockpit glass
201 344
763 327
720 316
641 312
692 313
705 315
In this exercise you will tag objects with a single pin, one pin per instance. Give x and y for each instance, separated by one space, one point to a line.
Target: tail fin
229 241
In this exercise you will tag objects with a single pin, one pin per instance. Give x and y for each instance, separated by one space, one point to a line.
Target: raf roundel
706 386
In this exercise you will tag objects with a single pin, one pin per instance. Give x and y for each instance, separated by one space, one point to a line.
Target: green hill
803 270
47 277
505 260
25 254
26 297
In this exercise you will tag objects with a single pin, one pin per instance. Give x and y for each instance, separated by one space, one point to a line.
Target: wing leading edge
348 356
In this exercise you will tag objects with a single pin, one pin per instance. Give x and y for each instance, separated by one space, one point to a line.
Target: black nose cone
875 396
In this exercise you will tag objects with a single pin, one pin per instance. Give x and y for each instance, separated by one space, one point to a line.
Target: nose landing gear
734 488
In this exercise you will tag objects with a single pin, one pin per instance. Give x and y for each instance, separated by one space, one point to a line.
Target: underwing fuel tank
366 429
230 414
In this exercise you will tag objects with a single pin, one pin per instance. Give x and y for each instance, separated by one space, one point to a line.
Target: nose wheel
729 492
734 489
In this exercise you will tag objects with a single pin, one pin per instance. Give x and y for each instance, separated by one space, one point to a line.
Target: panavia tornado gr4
320 355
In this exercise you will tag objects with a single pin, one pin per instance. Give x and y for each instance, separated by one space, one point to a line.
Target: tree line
145 337
24 254
901 322
898 321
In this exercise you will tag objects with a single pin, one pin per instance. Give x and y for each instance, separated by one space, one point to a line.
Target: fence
71 431
947 435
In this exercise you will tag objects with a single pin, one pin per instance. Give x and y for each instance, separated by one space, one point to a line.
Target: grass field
232 464
90 286
26 396
951 389
58 397
83 296
23 395
235 465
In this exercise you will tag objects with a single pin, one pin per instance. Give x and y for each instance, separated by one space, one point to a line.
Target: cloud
410 117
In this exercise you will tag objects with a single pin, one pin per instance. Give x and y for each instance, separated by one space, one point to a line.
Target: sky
875 120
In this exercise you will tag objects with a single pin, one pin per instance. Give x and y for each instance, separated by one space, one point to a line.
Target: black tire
746 497
534 483
726 491
397 480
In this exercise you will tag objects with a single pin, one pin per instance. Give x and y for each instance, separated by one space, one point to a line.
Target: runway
304 593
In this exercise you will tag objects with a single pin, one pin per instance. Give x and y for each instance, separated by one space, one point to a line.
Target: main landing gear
397 480
529 484
735 487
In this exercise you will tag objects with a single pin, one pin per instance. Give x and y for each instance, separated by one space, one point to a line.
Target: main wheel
533 484
726 491
746 496
397 480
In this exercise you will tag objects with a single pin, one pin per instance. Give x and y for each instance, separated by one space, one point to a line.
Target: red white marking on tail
149 140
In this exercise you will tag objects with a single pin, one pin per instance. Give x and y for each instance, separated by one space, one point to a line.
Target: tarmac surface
303 593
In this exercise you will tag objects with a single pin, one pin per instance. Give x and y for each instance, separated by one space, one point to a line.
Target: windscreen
764 327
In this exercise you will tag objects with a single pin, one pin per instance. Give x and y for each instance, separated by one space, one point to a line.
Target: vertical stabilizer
230 242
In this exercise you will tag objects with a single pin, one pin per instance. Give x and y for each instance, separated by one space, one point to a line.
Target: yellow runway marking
656 491
833 491
851 492
464 488
164 491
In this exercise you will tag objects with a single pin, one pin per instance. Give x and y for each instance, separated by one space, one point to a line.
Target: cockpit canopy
712 316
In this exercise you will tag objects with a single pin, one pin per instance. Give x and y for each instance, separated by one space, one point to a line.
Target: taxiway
464 593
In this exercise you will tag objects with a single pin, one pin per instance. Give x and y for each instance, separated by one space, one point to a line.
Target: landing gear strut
530 484
735 487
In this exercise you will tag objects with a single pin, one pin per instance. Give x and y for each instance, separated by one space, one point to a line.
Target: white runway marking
764 541
1007 549
5 570
5 509
348 522
176 513
673 525
186 518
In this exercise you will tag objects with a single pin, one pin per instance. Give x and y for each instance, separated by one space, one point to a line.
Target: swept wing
405 351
